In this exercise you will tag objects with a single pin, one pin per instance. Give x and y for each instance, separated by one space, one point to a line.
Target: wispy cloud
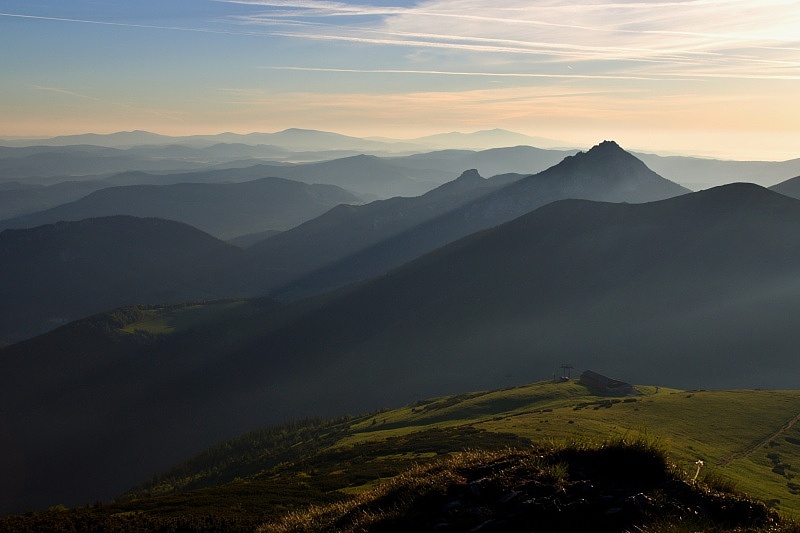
706 36
121 24
645 39
464 73
66 92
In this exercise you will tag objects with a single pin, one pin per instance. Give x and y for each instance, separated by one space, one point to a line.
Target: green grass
742 437
515 489
721 428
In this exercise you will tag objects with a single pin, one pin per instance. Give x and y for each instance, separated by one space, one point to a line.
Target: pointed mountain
468 178
606 173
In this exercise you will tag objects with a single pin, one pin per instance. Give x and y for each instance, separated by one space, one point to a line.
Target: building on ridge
601 384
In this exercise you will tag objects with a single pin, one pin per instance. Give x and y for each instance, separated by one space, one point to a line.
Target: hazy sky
715 77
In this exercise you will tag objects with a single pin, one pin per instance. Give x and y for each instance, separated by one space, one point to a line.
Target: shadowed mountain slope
606 173
56 273
225 210
347 229
44 162
364 175
701 173
790 187
698 291
18 199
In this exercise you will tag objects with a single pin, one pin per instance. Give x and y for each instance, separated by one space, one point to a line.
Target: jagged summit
606 149
470 176
612 174
606 145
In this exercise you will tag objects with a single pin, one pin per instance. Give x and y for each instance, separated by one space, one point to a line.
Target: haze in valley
217 215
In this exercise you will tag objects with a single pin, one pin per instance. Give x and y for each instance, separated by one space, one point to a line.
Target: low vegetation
612 486
493 460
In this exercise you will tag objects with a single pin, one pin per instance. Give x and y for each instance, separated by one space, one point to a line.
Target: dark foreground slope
695 291
611 488
605 173
60 272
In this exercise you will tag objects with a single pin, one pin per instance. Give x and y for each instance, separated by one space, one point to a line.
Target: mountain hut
604 384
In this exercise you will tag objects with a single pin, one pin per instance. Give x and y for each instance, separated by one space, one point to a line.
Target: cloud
464 73
685 39
67 92
119 24
715 38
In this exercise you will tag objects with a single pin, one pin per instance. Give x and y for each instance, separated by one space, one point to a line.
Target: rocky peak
470 176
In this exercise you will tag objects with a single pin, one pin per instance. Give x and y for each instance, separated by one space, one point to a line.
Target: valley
275 266
138 337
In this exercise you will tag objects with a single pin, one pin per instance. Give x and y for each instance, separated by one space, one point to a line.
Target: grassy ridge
741 436
604 486
748 440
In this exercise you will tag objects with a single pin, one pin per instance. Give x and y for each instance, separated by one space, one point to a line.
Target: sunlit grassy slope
745 438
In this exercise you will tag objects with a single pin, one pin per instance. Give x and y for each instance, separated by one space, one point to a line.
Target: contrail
455 73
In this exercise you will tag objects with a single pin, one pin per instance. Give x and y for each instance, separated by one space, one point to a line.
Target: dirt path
753 447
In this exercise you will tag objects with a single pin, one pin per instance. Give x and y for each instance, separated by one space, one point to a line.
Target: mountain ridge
605 173
55 273
347 229
226 210
696 291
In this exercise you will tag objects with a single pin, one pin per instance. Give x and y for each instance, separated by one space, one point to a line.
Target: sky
716 78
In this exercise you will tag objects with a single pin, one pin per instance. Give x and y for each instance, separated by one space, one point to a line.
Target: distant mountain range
67 162
297 139
92 154
348 229
789 187
367 176
225 210
606 173
695 291
701 173
348 243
